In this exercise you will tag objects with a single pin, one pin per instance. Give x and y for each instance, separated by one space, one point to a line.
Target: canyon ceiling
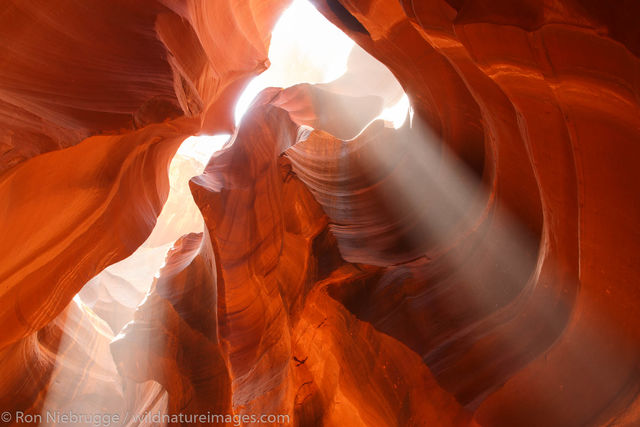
477 266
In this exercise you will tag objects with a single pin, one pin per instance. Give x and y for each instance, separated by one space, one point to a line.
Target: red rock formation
127 74
537 87
92 96
477 266
173 338
279 323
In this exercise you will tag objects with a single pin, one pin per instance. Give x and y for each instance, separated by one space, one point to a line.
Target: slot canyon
424 213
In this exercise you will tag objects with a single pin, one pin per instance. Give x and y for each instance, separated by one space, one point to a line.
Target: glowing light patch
396 114
202 147
305 48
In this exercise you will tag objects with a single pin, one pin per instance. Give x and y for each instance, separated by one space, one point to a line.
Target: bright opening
307 48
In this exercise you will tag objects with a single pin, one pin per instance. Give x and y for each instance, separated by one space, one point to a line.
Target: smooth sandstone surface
477 266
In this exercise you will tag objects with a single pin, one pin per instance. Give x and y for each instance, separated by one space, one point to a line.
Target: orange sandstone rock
477 266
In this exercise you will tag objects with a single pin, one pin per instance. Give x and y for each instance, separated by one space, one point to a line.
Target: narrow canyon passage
326 212
318 57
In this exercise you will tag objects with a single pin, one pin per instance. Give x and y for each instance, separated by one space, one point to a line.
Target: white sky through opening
305 48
